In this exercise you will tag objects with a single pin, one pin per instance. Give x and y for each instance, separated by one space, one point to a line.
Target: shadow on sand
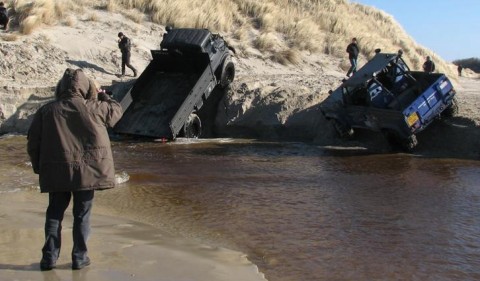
85 64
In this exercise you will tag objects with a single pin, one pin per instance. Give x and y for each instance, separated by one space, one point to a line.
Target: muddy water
299 212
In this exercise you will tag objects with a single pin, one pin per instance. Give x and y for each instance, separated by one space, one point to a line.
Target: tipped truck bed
175 85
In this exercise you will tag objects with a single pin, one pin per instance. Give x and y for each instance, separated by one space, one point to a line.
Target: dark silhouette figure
352 50
125 47
3 16
429 65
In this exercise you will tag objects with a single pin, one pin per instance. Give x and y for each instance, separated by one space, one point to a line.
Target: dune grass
303 25
289 56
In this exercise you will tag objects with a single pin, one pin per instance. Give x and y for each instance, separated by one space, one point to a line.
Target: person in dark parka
69 148
125 46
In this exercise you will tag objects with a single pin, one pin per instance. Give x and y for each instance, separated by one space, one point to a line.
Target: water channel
299 211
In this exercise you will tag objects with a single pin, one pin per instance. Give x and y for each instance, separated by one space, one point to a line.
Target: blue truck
387 97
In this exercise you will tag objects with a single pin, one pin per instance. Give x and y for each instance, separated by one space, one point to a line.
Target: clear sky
450 28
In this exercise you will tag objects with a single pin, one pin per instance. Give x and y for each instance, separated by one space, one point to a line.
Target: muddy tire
409 144
400 143
451 110
342 131
192 127
227 72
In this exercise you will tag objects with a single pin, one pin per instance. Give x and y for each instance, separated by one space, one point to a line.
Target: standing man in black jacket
352 50
429 65
125 46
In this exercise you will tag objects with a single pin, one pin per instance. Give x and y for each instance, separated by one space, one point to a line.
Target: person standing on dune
125 46
352 50
459 69
429 65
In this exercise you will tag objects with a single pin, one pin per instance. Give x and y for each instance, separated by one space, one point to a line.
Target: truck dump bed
158 95
165 100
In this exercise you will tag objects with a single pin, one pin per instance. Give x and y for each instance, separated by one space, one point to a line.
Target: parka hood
73 83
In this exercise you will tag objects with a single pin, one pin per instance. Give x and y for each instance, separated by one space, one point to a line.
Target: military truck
387 97
165 99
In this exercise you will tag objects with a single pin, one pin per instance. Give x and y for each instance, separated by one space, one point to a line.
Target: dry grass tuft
334 46
70 21
92 17
28 25
242 50
290 56
134 15
267 42
241 34
31 15
108 5
10 37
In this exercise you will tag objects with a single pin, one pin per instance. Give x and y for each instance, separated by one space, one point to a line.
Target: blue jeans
58 203
353 68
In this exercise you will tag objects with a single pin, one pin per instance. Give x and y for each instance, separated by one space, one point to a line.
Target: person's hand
103 95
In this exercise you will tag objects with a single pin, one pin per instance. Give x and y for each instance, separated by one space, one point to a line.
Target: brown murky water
299 212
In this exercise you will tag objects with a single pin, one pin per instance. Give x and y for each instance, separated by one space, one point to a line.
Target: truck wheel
397 142
227 73
192 127
342 130
451 110
409 144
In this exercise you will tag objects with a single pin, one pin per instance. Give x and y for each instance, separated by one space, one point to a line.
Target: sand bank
120 249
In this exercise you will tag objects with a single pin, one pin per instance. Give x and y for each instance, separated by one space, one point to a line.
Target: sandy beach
120 249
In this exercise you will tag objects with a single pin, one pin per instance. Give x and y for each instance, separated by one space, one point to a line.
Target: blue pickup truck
385 96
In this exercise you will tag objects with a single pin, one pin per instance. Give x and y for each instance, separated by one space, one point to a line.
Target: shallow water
300 212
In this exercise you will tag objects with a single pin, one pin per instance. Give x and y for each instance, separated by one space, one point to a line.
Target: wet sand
120 249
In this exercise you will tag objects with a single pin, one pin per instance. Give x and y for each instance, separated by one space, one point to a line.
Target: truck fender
232 49
226 72
452 109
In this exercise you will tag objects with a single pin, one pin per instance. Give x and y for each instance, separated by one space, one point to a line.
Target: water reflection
301 212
